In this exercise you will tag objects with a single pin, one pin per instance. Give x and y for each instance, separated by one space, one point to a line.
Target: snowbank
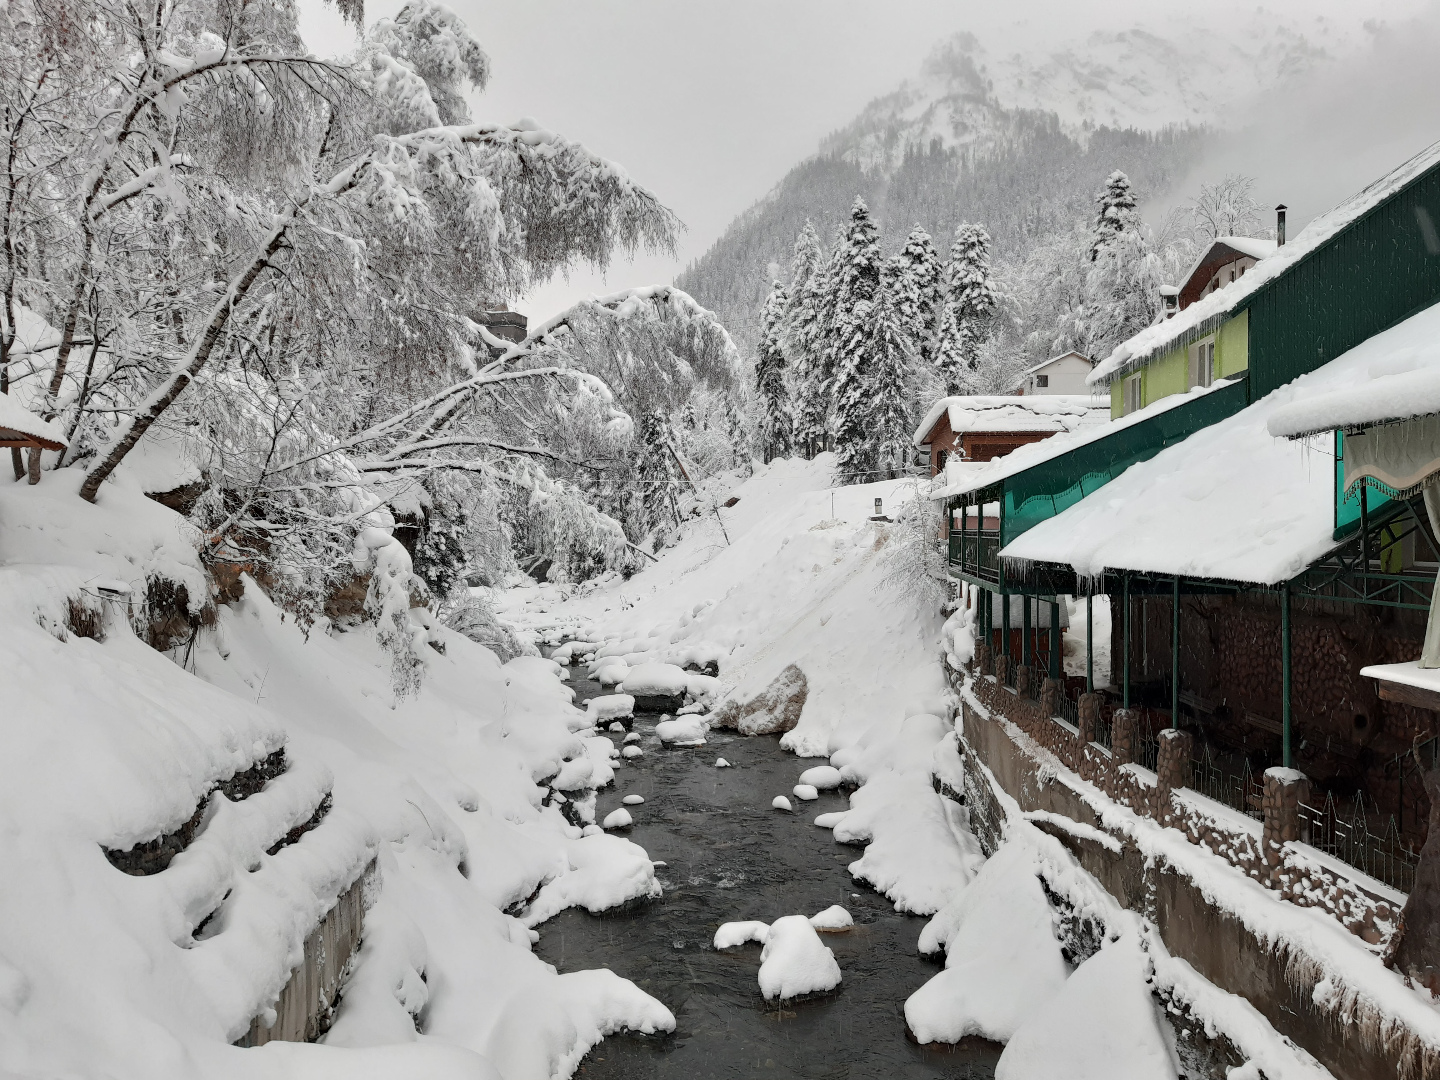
1103 1025
656 680
1002 960
682 731
795 961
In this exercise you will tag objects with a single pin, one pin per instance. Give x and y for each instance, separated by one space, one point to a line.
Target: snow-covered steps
306 1006
152 856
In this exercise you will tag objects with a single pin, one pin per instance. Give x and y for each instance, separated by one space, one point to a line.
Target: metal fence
1346 834
1147 749
1102 733
1241 789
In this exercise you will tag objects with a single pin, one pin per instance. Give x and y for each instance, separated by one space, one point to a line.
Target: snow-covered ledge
1407 683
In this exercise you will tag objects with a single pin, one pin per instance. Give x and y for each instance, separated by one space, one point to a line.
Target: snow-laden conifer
771 390
919 293
891 346
1116 212
805 340
853 280
872 423
970 300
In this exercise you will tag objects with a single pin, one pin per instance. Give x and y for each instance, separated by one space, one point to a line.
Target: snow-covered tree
919 289
1226 209
853 281
891 347
970 299
805 340
1122 290
771 390
872 422
273 261
1116 212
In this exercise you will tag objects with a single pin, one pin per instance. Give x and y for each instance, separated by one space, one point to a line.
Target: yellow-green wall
1170 374
1232 346
1167 375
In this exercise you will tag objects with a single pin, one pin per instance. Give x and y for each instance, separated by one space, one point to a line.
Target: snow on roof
1231 502
1404 383
1056 359
1164 335
1032 454
18 422
1042 412
1246 245
1253 246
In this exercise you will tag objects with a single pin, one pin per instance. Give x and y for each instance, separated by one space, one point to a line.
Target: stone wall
1264 852
1345 738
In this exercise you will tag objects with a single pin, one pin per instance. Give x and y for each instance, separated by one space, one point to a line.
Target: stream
730 856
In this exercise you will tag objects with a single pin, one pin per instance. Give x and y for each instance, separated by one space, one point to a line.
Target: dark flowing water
730 856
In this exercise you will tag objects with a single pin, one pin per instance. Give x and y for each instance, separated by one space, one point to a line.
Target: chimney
1280 225
1169 300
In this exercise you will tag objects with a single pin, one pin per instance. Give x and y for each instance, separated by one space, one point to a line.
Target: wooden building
1063 374
983 428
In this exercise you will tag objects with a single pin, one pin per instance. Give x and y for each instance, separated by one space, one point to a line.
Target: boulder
775 710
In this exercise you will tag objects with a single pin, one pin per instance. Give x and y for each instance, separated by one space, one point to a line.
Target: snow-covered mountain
1019 140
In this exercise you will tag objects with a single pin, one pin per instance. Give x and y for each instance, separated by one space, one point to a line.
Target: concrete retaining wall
1281 982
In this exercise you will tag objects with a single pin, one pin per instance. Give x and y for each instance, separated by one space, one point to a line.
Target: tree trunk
1416 952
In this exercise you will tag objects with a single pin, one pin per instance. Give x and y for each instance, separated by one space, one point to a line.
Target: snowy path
731 857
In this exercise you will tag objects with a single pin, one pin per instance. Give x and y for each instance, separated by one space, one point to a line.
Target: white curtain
1404 458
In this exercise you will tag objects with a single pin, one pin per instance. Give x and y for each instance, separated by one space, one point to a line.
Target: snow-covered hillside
109 743
796 575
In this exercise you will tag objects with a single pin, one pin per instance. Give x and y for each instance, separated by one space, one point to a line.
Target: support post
1364 533
1175 657
1089 644
1125 652
1005 625
1055 638
1027 647
1285 755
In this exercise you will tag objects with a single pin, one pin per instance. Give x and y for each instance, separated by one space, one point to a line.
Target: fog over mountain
1021 141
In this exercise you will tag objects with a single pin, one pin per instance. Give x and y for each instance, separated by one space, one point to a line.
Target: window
1131 390
1202 363
1042 381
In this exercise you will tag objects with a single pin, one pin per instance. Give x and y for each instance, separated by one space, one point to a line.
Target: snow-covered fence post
1172 767
1049 698
1285 790
1088 715
1122 737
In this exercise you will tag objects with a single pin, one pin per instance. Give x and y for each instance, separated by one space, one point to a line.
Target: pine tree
892 347
805 340
1122 290
854 279
770 367
969 304
872 424
654 471
1117 212
920 293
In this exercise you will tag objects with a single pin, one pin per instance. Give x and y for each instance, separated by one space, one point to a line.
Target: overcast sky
710 102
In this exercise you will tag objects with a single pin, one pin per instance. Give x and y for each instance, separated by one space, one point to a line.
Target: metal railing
1102 733
1147 749
977 554
1348 837
1240 790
